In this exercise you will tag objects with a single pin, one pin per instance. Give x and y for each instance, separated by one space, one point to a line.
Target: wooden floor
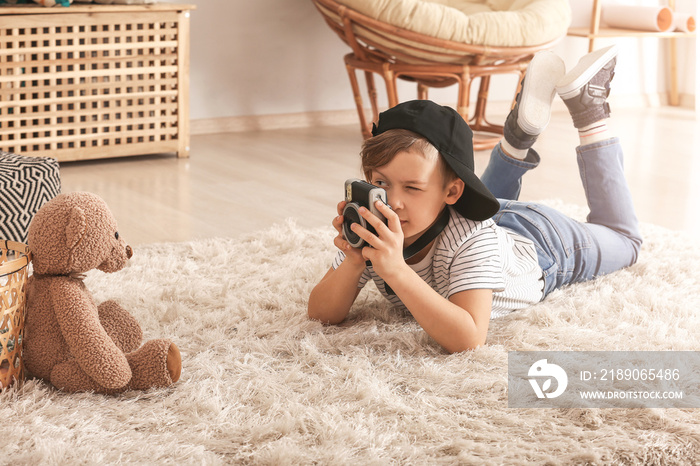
237 183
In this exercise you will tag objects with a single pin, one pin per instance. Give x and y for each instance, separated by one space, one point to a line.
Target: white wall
268 57
264 57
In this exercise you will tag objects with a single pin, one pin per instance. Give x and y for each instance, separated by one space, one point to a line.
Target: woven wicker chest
94 81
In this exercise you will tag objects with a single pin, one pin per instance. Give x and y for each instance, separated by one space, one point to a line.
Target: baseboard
246 123
686 101
237 124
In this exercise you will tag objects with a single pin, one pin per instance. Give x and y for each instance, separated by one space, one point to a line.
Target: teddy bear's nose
129 252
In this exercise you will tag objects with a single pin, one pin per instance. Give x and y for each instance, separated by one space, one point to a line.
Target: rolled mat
641 18
683 22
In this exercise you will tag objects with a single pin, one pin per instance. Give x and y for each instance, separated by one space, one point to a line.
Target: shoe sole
538 91
587 67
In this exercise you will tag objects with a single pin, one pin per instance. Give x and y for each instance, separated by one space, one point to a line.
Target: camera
358 194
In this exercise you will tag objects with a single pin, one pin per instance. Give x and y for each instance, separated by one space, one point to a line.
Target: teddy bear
70 341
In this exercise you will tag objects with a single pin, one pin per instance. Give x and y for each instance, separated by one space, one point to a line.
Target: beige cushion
498 23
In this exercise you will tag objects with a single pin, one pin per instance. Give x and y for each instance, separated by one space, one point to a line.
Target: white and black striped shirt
471 255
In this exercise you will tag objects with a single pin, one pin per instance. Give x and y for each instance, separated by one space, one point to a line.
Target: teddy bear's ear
76 226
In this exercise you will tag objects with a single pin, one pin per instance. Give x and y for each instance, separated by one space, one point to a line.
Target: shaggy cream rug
261 384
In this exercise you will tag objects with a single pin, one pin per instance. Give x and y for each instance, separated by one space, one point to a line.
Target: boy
493 254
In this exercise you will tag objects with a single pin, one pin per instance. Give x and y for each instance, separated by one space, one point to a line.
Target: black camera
358 194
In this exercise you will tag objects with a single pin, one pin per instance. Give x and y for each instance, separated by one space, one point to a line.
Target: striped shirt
471 255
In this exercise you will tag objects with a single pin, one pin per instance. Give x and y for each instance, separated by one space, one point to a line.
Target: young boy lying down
492 254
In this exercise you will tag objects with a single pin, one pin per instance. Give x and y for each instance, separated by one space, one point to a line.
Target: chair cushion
497 23
26 183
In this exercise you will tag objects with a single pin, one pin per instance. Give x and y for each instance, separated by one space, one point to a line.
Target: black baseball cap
445 129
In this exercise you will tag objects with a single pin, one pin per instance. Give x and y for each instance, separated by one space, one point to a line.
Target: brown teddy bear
70 341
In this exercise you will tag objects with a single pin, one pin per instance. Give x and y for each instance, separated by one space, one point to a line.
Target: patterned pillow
122 2
26 183
68 2
40 2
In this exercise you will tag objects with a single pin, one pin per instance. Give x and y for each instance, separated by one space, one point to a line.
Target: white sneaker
587 67
586 87
532 110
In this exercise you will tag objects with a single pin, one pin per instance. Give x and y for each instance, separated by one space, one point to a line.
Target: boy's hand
354 255
386 253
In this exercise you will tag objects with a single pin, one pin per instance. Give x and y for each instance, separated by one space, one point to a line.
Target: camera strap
424 240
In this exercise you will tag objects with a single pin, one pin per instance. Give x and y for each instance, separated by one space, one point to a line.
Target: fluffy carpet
263 384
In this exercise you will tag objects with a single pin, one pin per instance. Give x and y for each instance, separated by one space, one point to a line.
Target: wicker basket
14 268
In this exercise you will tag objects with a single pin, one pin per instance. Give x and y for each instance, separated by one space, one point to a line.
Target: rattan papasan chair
437 43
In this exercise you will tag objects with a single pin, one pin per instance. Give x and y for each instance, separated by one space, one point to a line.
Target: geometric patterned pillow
26 184
41 2
123 2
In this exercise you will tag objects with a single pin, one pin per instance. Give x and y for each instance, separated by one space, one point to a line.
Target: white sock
595 132
511 151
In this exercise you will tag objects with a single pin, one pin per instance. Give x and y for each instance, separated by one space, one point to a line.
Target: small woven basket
14 268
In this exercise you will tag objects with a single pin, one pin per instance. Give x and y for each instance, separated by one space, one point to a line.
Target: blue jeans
569 251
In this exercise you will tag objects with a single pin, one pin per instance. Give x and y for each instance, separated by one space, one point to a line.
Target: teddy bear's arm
93 349
122 327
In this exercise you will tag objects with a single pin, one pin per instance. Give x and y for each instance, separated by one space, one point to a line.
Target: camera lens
352 215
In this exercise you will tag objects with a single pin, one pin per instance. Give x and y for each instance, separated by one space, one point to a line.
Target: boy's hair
379 150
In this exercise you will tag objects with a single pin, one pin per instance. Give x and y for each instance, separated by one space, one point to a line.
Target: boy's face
416 191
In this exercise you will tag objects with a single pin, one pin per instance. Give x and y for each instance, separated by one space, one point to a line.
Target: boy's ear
454 191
